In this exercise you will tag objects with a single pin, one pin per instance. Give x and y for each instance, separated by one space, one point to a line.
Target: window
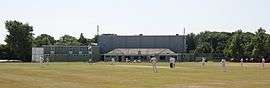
80 52
52 52
70 52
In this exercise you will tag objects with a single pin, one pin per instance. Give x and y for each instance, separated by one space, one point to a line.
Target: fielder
47 60
242 62
172 62
112 61
127 61
203 62
90 61
153 60
223 63
263 61
41 60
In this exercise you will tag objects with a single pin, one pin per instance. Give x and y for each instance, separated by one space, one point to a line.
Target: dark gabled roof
141 51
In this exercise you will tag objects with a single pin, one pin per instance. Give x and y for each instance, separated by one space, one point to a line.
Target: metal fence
188 57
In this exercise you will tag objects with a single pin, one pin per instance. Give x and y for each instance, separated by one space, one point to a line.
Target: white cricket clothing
172 60
153 60
203 60
263 60
113 60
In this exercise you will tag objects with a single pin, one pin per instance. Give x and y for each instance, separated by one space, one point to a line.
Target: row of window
68 55
69 52
67 48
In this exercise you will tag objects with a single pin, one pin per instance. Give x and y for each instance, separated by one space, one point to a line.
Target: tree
2 47
235 46
248 45
259 42
3 51
68 41
83 40
44 39
267 46
218 41
203 48
19 39
95 39
211 42
191 42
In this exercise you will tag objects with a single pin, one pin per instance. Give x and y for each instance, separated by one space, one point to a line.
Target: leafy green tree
19 39
191 42
218 41
248 45
267 46
235 46
202 45
259 42
2 47
95 39
68 40
3 51
211 42
44 39
203 48
83 40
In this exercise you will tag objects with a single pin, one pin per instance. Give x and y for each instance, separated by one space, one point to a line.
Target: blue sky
130 17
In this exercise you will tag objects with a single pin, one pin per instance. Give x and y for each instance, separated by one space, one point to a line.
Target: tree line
238 44
20 40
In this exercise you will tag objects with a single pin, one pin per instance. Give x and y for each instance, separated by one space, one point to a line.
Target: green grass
121 75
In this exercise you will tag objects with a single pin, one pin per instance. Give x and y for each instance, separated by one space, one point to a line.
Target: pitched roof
141 51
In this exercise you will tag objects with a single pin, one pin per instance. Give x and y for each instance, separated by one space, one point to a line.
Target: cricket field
134 75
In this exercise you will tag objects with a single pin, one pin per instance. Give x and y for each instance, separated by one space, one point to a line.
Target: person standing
203 62
263 61
223 63
41 60
47 60
172 62
153 60
112 61
90 61
242 62
127 61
